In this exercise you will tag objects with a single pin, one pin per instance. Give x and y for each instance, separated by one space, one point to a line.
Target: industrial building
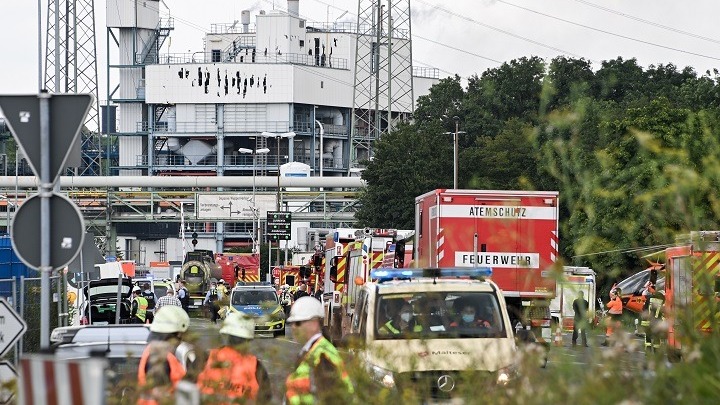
273 94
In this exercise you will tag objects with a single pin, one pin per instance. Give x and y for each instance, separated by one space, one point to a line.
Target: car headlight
382 376
506 375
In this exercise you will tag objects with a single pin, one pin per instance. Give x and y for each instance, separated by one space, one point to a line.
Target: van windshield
439 315
253 297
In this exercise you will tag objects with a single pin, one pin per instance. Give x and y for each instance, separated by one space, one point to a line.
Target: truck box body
575 279
513 232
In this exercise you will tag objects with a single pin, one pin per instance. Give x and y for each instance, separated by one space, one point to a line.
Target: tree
407 163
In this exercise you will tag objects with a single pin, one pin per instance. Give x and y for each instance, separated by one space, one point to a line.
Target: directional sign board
7 375
278 225
67 231
67 115
233 206
12 327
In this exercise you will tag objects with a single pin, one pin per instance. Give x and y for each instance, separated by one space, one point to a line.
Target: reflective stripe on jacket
301 383
390 328
230 374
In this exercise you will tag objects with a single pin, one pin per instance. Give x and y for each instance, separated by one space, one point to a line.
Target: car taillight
83 321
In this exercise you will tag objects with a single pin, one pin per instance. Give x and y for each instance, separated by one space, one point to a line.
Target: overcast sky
484 33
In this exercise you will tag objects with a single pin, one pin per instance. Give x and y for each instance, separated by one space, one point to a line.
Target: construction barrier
46 380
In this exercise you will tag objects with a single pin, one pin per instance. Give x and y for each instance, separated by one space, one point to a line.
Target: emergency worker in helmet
320 376
166 358
232 373
139 306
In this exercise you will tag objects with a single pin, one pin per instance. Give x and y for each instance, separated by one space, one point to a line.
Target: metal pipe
45 194
15 304
67 182
22 308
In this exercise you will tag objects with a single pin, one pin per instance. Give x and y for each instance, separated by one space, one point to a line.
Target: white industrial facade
188 114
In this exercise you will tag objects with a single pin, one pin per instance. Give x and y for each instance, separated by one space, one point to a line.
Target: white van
438 336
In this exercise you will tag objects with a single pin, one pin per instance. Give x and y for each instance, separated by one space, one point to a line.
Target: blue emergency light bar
387 274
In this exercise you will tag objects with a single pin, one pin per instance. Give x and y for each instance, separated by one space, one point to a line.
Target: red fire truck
692 289
246 264
513 232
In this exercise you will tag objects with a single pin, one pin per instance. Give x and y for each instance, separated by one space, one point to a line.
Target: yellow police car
260 301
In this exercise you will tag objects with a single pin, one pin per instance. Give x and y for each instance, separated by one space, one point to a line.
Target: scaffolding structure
71 67
383 87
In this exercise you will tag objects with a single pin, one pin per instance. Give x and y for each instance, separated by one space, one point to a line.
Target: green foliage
632 151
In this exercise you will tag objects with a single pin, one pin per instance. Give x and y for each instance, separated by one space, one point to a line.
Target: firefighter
222 288
211 301
286 299
320 375
652 318
138 309
615 309
232 373
160 369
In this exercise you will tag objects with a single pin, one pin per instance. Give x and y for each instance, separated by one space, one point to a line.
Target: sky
463 37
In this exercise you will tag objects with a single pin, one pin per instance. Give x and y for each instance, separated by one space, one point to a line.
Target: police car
435 333
260 301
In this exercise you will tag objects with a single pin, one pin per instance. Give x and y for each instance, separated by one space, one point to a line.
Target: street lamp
256 231
289 136
455 150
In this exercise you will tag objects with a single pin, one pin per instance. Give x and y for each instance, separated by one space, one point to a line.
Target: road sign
11 327
234 206
67 231
278 225
67 115
7 375
87 259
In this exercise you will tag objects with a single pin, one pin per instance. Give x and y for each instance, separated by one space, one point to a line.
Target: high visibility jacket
142 306
175 374
390 328
229 374
615 306
301 383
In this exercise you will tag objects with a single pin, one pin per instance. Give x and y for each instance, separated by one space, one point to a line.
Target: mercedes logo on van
446 383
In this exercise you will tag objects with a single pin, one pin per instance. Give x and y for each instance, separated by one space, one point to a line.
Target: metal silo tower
71 67
383 86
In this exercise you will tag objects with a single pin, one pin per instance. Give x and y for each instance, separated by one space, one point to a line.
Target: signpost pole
45 192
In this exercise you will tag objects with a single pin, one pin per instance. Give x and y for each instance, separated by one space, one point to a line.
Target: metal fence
23 294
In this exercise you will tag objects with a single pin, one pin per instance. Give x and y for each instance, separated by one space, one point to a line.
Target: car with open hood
260 301
435 337
100 305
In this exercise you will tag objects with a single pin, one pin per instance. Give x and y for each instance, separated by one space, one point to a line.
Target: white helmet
136 289
221 281
170 319
306 308
239 324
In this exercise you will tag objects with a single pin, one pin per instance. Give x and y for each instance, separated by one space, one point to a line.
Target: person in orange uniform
232 374
160 369
319 376
615 310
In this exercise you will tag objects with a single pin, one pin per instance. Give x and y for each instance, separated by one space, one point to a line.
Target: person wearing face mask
404 322
468 319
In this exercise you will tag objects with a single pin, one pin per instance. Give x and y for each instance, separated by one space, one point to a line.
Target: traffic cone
557 340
